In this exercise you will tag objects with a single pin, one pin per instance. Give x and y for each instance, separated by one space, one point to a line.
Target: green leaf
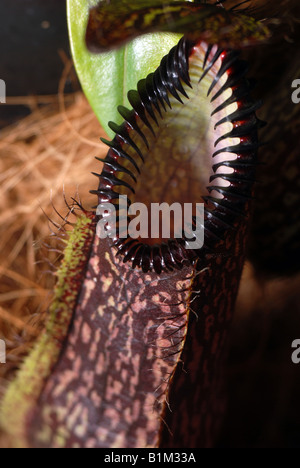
107 78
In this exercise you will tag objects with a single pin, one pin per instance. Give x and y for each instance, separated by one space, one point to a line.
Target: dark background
33 33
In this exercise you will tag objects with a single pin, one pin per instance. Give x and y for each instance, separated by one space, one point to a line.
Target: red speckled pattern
109 385
197 399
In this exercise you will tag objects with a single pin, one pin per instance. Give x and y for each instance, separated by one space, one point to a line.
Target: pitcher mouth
191 137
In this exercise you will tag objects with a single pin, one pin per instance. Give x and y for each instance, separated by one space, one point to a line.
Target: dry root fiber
45 159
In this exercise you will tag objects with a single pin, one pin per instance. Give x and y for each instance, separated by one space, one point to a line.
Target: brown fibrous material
46 159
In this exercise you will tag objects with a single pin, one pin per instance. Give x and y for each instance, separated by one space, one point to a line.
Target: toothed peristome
191 137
